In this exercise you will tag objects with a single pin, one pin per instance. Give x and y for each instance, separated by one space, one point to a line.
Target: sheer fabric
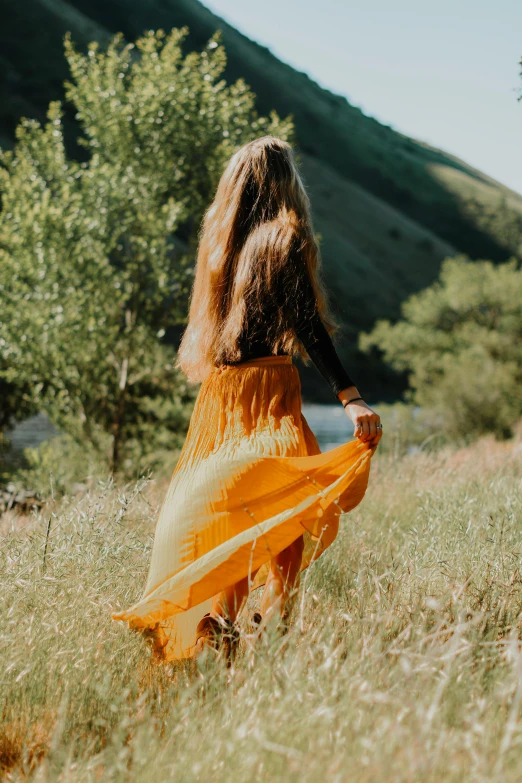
250 480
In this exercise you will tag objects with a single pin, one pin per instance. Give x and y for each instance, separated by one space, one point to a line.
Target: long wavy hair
256 234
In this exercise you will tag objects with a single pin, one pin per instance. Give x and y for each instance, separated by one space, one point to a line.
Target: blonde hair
255 236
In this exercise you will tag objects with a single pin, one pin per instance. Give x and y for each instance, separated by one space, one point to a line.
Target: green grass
404 662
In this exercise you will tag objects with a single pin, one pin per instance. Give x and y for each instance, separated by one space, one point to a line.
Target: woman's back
296 296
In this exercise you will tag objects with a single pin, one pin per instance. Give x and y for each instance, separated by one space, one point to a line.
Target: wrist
351 393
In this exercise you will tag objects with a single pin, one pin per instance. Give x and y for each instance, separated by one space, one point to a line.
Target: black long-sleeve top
319 347
298 297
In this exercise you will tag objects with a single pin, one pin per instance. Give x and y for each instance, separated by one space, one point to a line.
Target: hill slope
388 208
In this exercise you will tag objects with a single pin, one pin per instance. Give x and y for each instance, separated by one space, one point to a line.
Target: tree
97 256
460 341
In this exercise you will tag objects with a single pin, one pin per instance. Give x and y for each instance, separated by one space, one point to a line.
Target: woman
252 500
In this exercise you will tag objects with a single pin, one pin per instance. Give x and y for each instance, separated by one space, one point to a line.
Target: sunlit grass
404 661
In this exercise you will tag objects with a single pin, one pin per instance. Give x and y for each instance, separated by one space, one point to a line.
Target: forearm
350 393
322 352
313 334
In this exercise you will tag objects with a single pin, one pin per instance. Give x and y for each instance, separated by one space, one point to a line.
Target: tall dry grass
404 662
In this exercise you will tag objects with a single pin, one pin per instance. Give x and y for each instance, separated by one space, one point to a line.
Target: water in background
329 423
31 432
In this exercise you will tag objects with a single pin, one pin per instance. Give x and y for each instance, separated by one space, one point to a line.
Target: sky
445 72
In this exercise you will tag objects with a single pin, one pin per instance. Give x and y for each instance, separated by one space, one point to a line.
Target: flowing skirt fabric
249 481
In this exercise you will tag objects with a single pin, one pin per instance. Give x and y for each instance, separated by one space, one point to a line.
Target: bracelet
350 401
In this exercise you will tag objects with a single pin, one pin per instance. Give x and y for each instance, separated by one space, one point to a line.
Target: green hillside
388 208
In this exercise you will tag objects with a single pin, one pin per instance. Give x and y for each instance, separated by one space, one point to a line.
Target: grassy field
404 662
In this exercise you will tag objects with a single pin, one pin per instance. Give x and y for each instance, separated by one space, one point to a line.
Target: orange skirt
250 480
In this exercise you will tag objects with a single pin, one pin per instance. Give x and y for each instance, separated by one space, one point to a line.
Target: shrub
460 341
92 273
